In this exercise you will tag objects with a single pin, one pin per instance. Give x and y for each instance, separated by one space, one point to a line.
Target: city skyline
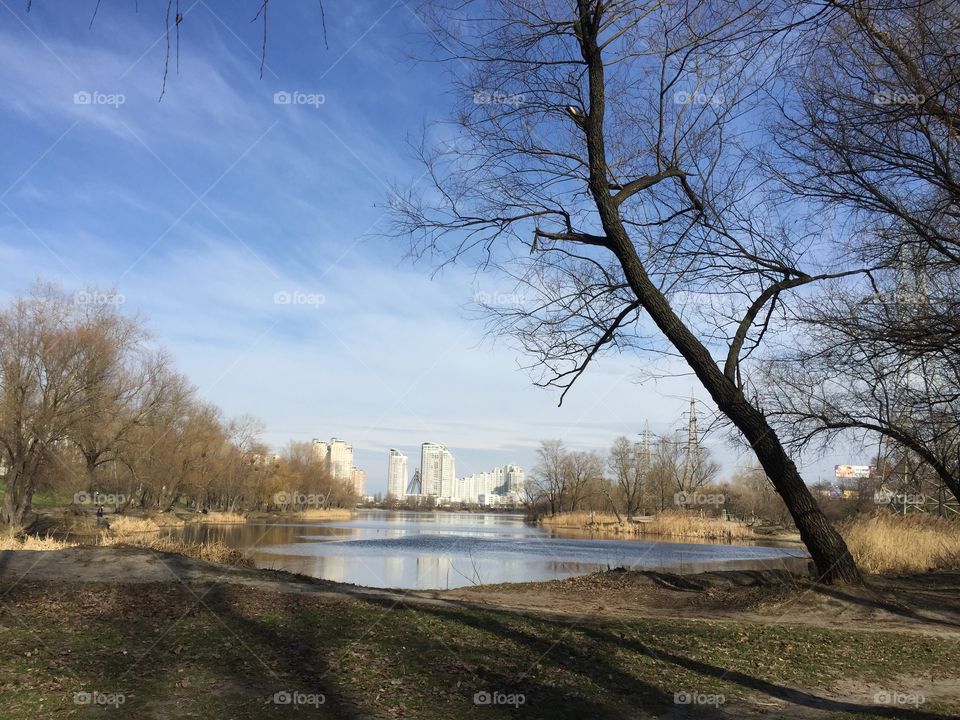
436 477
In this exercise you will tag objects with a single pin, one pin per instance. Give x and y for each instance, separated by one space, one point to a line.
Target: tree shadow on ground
780 692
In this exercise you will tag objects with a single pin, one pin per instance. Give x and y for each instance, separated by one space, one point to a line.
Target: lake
443 550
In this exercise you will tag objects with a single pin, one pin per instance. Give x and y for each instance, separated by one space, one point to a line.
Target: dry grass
125 525
10 541
121 525
674 524
887 543
685 525
581 519
221 517
212 551
326 514
135 532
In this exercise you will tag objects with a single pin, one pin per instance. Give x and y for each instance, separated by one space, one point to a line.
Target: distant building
396 474
502 485
265 460
341 460
321 451
437 470
337 457
359 479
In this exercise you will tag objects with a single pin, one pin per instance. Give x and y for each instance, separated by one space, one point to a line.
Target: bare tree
630 469
871 133
548 480
603 139
583 481
127 385
873 126
752 497
304 479
685 468
235 483
54 351
173 455
844 375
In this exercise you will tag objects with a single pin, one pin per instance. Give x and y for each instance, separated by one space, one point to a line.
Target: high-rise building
341 459
396 474
437 470
514 480
502 485
337 457
359 479
321 451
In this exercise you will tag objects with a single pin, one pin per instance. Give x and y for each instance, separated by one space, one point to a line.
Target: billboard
846 472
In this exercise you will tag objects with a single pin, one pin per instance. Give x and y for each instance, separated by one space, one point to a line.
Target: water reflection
447 550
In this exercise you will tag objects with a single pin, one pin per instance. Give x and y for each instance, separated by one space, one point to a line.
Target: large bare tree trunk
17 497
830 554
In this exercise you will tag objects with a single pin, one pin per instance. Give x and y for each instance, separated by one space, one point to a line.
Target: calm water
447 550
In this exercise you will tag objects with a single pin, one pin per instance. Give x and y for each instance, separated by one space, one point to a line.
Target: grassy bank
668 524
887 543
224 651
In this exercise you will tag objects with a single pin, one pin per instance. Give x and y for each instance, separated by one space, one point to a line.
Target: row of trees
89 404
749 188
642 478
633 478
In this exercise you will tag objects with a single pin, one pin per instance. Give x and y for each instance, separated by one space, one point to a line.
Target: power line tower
644 448
691 455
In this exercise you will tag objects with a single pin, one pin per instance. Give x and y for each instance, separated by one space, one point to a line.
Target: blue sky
201 208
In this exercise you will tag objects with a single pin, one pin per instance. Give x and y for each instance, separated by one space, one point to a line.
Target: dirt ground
926 605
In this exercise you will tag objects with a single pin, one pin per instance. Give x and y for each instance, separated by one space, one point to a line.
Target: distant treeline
91 409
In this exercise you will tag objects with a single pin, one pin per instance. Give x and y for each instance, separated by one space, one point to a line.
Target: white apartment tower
502 484
514 479
437 470
341 459
396 474
321 451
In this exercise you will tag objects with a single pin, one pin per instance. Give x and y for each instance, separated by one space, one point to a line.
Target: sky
249 232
